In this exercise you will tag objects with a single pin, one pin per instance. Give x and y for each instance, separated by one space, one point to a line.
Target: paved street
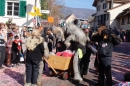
120 66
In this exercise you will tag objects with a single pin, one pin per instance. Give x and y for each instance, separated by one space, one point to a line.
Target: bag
104 49
21 58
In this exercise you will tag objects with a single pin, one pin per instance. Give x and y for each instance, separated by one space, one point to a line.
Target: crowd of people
30 46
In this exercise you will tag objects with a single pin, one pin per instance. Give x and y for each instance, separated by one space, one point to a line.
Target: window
104 5
123 21
12 8
107 16
101 0
109 5
99 20
128 20
98 8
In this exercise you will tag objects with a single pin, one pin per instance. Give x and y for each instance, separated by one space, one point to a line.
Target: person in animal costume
36 50
59 36
106 41
76 40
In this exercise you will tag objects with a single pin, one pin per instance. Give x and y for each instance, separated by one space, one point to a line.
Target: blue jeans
32 71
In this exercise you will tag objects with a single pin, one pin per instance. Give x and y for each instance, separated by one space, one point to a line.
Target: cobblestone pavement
120 66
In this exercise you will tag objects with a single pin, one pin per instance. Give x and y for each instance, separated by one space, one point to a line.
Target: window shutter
22 9
2 7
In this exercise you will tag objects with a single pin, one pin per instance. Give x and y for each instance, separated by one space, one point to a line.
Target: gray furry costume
31 43
76 39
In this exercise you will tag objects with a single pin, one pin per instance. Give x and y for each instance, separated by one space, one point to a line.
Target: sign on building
50 19
45 11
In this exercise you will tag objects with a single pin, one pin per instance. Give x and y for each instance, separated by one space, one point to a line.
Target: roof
69 16
118 6
115 1
125 12
94 14
91 21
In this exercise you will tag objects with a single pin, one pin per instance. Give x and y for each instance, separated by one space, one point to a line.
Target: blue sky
79 3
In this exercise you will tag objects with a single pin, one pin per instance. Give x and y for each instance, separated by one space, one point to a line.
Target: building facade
124 19
107 11
17 10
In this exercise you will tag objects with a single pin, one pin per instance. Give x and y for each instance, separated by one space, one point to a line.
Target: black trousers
105 70
15 57
2 55
32 71
84 64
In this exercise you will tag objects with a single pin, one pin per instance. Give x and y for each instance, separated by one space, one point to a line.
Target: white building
124 19
70 18
107 12
17 10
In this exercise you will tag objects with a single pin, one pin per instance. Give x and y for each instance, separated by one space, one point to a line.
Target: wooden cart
60 66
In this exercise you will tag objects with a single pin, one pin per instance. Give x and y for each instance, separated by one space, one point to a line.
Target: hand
67 44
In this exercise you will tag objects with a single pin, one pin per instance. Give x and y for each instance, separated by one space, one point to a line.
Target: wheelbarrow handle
50 65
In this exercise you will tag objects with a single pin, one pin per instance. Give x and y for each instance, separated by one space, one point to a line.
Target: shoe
27 84
1 67
9 65
18 64
12 65
34 85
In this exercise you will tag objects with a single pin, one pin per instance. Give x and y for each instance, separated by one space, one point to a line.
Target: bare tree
55 9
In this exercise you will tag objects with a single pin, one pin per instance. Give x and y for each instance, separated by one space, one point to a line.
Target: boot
100 83
27 84
77 75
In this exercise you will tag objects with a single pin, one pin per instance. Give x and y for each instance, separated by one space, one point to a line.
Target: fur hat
101 29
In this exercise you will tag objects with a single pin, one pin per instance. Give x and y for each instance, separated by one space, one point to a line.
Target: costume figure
106 41
8 50
36 49
76 39
59 34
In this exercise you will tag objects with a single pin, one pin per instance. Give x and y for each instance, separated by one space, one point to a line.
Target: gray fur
78 34
75 34
75 67
46 50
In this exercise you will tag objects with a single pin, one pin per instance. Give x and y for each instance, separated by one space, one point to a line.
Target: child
16 51
8 50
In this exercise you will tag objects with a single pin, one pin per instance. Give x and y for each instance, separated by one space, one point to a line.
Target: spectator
2 45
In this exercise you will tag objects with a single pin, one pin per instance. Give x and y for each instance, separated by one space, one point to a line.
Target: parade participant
51 38
9 22
59 36
106 41
76 39
36 49
8 50
86 58
2 45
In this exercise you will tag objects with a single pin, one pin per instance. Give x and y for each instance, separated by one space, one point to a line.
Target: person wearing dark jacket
105 41
35 51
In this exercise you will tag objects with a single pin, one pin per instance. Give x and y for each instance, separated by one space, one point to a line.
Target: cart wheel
65 75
